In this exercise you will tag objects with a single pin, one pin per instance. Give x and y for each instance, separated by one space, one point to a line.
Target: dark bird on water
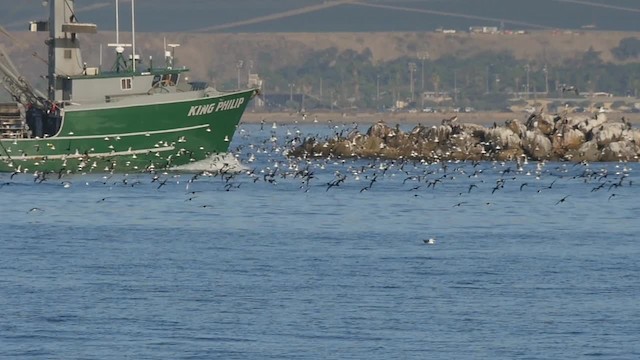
562 200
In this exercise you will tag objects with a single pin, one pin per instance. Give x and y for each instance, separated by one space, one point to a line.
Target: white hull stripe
91 155
140 133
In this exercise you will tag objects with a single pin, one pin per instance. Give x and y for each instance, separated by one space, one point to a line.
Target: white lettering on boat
198 110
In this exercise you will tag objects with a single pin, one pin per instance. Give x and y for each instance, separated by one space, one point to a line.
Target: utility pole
489 73
455 86
488 76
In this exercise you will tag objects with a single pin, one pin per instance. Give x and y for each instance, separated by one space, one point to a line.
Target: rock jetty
559 137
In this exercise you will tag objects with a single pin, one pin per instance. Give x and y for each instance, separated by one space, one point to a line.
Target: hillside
214 56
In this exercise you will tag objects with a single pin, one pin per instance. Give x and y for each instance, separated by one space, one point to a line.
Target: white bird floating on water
430 241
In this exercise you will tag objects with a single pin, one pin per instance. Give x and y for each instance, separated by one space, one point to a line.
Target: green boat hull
131 138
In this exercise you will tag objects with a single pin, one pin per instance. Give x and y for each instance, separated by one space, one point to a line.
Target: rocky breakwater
561 137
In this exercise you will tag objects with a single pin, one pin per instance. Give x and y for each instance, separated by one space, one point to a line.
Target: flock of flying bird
261 158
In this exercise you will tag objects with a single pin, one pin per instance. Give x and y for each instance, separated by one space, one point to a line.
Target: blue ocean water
530 261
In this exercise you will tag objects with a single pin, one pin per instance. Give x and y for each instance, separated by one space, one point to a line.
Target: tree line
487 81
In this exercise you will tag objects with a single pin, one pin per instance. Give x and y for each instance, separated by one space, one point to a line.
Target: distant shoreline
484 118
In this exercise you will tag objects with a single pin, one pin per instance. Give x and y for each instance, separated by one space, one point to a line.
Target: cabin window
170 79
156 80
125 84
67 54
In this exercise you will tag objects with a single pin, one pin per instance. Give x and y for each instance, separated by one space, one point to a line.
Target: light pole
331 100
455 86
239 67
249 70
527 68
378 90
546 79
290 92
423 55
412 69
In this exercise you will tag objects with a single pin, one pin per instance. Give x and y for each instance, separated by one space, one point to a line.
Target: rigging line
5 151
73 14
37 56
7 34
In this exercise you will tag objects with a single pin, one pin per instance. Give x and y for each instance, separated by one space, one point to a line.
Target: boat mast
133 34
117 23
65 58
121 63
51 71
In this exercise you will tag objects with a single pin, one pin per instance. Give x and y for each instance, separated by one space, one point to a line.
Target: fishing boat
131 117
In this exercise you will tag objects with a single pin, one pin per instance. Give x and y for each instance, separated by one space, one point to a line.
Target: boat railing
12 122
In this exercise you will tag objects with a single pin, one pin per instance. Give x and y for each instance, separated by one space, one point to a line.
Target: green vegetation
629 48
488 81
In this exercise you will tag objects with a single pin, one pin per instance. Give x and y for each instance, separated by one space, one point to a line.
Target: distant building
601 94
436 97
255 81
514 32
445 31
282 101
483 29
401 104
